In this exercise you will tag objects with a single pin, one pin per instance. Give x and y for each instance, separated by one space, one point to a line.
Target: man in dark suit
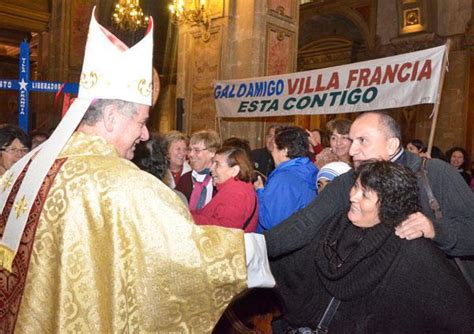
261 157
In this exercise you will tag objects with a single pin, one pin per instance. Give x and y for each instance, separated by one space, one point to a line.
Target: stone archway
329 40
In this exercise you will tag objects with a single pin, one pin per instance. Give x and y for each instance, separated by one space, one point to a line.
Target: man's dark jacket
263 161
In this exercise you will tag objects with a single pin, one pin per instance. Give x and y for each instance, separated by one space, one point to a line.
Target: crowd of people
224 183
108 228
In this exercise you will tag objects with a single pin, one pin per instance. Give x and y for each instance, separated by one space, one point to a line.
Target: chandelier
198 15
128 15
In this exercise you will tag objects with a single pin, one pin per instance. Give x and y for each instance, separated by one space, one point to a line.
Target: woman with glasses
368 280
14 144
196 184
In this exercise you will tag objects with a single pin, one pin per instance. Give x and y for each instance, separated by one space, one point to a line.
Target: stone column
246 39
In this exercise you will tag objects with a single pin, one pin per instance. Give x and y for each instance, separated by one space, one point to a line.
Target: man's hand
314 138
415 226
326 156
258 184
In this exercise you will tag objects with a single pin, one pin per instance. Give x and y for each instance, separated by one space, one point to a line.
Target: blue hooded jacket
290 187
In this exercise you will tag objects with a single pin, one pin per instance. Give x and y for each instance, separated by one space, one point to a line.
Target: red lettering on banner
390 74
402 77
425 72
352 77
319 85
363 77
334 81
376 77
415 71
380 75
292 85
307 87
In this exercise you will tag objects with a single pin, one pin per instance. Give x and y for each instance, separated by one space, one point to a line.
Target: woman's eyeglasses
16 151
196 150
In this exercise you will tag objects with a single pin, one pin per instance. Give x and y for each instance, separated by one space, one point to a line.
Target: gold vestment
116 251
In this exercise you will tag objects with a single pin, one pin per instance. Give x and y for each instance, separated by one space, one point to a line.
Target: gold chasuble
115 251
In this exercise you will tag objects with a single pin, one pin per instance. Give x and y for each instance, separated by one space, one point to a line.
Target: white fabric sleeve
258 267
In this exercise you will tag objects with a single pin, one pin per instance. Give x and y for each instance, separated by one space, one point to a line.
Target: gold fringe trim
6 258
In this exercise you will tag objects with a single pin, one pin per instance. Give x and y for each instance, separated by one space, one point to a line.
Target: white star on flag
23 84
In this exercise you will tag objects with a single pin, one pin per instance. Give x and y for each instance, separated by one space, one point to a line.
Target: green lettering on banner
308 102
286 104
334 96
243 106
273 106
354 96
303 102
253 106
374 92
264 104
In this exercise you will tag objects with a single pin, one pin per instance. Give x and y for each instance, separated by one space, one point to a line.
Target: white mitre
113 71
110 70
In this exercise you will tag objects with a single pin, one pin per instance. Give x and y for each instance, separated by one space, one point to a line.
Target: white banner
403 80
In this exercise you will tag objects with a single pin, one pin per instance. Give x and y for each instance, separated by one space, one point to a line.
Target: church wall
335 33
205 69
443 19
452 16
452 116
8 98
243 57
387 21
273 30
247 39
61 54
262 44
451 20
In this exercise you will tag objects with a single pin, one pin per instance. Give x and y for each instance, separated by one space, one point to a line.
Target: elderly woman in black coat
381 283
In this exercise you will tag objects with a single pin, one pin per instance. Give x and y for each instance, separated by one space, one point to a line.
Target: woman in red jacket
235 204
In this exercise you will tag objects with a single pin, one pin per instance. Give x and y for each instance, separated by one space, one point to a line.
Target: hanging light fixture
128 15
198 15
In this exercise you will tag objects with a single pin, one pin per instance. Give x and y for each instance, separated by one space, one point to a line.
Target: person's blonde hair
210 138
175 136
342 126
